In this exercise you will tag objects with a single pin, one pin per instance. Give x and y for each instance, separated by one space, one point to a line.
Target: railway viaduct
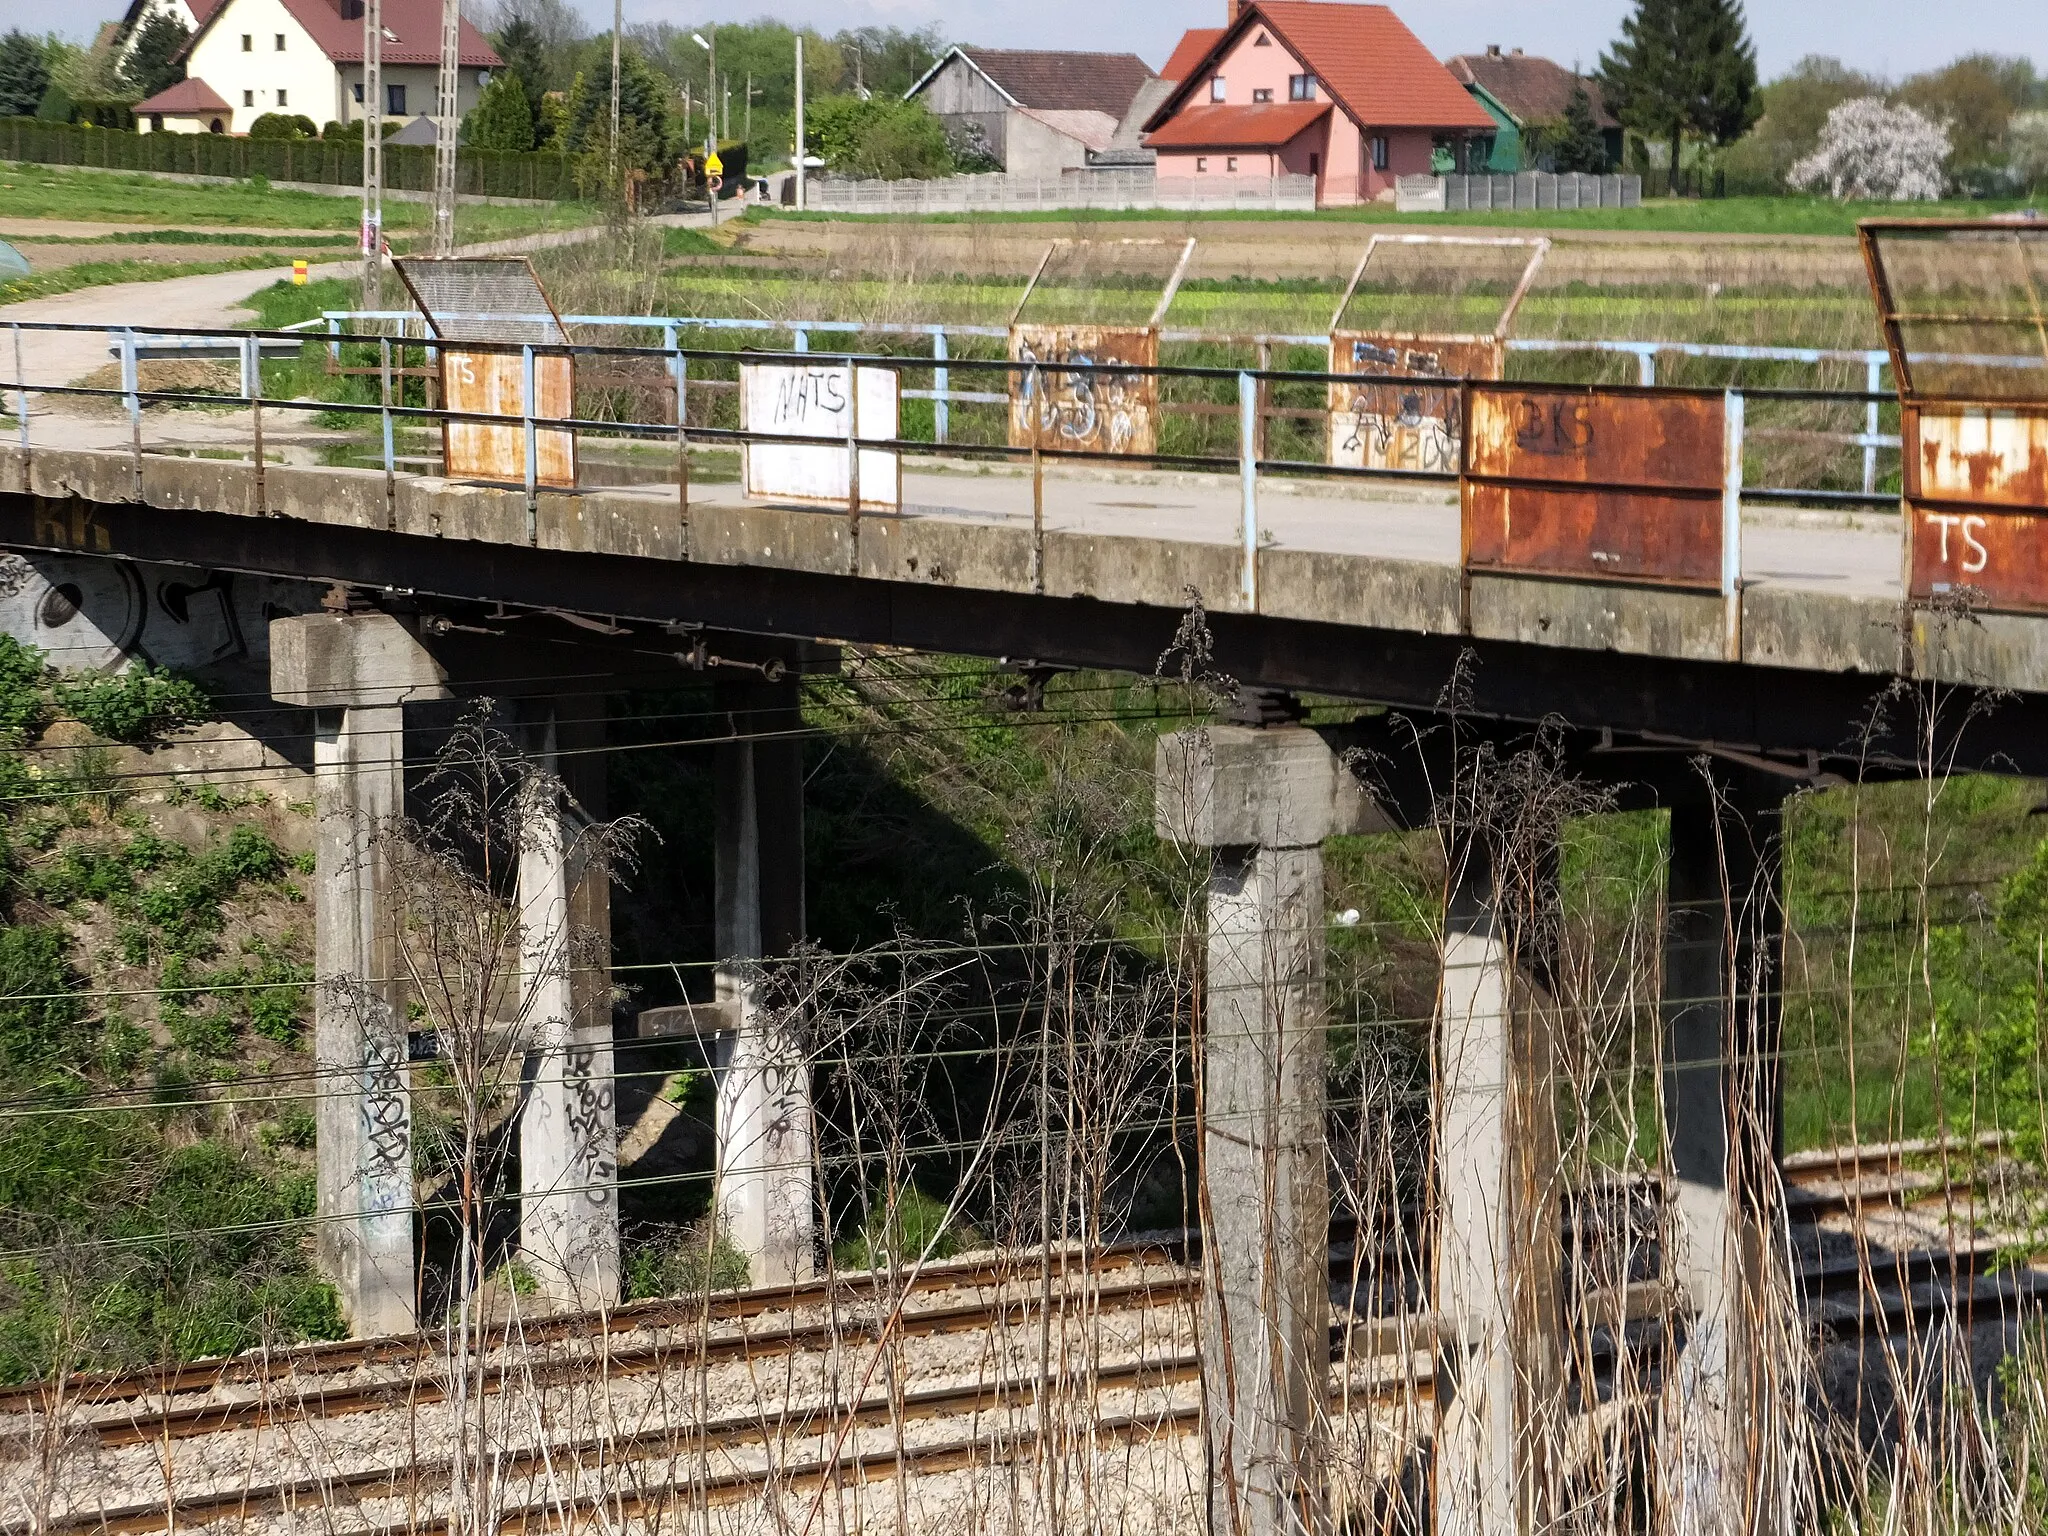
1702 673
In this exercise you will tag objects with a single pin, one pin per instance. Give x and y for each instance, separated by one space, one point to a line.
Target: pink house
1343 93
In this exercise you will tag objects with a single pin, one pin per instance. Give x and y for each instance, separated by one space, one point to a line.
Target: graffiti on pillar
387 1123
590 1116
87 613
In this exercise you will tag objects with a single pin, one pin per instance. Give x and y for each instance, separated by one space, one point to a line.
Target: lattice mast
373 154
447 119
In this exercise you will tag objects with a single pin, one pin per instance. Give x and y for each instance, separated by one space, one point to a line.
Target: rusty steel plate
1087 412
494 384
1400 426
1618 485
1977 505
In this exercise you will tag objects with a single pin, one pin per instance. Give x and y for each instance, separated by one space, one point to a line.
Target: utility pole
373 154
725 128
711 93
618 20
747 132
447 118
799 121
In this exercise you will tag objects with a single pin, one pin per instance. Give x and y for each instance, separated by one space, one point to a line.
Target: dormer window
1216 88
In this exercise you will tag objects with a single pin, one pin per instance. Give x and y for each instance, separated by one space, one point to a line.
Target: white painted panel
810 400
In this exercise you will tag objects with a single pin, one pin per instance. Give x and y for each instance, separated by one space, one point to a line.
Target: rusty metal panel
1403 426
1977 505
1619 485
494 384
1089 412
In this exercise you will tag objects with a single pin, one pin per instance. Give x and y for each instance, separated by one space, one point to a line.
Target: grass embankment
154 994
101 274
1767 216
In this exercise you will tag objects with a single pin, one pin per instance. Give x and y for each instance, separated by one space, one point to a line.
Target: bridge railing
1610 484
1869 441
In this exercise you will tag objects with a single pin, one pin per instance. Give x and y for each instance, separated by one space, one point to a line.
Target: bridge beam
1262 800
357 671
1720 1002
568 1126
766 1198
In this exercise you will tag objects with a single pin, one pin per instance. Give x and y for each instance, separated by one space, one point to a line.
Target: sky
1884 37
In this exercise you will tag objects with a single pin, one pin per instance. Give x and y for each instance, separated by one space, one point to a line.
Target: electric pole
618 20
747 132
725 129
373 154
799 121
447 118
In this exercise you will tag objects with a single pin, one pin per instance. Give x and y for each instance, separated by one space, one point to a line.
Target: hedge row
336 162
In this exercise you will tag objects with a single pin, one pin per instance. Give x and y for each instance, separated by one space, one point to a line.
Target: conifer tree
1683 66
24 74
153 63
1578 146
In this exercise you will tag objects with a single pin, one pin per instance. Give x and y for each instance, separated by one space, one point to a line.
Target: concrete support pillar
568 1127
765 1194
356 671
1263 800
1720 1005
1497 1248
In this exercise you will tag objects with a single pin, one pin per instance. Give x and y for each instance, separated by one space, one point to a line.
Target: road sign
713 166
299 272
714 182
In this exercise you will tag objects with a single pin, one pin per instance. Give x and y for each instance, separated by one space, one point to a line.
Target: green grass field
48 192
1726 215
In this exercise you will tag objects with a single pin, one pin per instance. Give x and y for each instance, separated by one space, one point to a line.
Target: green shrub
917 1227
687 1261
138 705
283 125
37 1004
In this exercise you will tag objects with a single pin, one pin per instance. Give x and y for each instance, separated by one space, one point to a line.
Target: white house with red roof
306 57
1340 92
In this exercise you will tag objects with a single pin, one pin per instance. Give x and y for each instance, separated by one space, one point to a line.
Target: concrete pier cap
351 661
1240 786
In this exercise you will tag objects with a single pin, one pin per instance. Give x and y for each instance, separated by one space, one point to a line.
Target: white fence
999 193
1531 189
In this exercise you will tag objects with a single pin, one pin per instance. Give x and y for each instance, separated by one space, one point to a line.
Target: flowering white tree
2026 143
1870 149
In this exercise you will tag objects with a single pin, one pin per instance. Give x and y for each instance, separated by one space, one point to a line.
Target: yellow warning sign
713 166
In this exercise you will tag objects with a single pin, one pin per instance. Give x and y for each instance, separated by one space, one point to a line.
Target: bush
37 1007
283 125
24 689
135 706
878 137
502 117
916 1229
1869 150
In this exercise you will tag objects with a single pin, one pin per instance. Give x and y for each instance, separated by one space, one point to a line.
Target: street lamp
710 46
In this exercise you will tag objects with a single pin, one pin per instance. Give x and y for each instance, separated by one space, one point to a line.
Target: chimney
1514 53
1493 50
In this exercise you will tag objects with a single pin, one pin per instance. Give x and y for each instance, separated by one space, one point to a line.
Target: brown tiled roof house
1521 91
1036 112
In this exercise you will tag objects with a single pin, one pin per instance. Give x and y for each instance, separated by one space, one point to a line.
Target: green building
1525 96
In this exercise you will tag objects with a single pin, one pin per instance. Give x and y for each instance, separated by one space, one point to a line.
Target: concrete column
765 1195
1263 800
568 1128
1720 1007
1497 1248
357 670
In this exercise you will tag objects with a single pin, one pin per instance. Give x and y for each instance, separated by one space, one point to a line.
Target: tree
24 74
153 63
1975 97
501 118
1795 108
1871 150
1577 144
1683 66
525 53
881 136
643 110
2026 144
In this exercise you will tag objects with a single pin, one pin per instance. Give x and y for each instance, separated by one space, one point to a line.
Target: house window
1230 164
1216 88
248 43
1201 163
280 42
1261 96
215 127
1301 87
156 122
1315 164
1379 153
1263 41
394 100
248 98
280 98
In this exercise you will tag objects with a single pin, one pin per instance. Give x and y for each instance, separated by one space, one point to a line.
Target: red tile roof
204 9
1534 90
1368 61
412 33
1267 126
1193 47
188 98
